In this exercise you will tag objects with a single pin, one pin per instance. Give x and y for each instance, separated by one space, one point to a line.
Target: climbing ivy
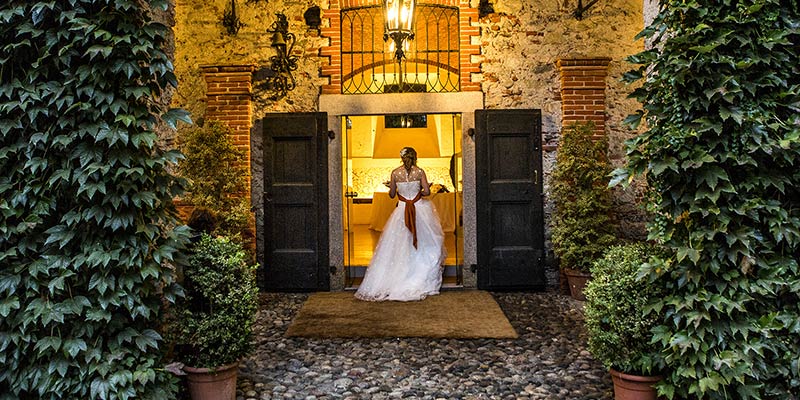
85 200
721 153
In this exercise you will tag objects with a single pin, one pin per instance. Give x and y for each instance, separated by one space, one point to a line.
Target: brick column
583 91
229 92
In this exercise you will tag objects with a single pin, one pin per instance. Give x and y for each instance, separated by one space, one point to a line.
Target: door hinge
331 135
473 268
333 270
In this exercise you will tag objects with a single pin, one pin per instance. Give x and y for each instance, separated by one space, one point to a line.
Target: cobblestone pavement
548 361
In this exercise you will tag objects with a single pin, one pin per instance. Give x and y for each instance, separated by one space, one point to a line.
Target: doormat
468 314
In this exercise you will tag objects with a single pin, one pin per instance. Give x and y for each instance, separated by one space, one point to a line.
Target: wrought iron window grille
431 62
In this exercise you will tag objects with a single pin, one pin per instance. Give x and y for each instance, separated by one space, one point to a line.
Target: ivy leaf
98 50
100 389
172 116
74 346
8 305
684 252
149 338
49 342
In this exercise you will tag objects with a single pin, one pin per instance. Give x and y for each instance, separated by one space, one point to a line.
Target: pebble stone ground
548 361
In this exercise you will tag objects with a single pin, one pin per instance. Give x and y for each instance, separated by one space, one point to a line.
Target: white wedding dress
398 271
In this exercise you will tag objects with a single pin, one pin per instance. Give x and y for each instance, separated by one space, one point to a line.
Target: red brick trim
467 17
583 85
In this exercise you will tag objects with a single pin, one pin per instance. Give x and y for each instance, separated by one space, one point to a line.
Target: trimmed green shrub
217 174
214 323
85 200
617 316
582 226
722 156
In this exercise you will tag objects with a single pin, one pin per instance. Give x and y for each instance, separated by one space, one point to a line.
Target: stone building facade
524 54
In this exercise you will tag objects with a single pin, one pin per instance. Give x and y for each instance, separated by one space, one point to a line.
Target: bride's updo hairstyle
409 156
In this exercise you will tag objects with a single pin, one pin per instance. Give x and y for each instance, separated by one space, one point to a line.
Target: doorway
370 151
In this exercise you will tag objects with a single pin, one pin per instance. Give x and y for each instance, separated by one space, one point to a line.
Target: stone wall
513 61
202 40
521 45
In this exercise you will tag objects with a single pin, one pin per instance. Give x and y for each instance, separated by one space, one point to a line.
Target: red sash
411 215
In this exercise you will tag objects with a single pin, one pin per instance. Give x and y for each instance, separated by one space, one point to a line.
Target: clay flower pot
212 384
634 387
577 282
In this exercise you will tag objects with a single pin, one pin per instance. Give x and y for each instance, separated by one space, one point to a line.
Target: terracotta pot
577 282
212 384
634 387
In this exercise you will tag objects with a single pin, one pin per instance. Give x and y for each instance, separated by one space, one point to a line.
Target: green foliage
582 224
214 322
722 157
217 172
617 316
85 200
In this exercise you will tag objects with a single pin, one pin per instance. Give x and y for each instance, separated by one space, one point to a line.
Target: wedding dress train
399 271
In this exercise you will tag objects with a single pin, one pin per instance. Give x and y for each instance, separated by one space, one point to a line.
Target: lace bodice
401 175
408 189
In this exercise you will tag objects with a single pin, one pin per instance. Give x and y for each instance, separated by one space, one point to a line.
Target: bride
407 263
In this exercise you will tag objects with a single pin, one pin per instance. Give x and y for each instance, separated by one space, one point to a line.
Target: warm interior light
399 15
410 10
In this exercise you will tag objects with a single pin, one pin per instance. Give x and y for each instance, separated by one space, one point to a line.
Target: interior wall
374 151
369 174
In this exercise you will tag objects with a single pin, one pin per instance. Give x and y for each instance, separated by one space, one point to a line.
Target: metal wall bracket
583 8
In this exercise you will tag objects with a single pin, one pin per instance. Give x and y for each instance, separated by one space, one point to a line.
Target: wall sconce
313 20
485 8
283 63
230 20
582 8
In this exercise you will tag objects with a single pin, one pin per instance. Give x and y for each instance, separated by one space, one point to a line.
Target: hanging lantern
399 25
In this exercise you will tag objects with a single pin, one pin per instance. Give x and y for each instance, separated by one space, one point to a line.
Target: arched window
432 58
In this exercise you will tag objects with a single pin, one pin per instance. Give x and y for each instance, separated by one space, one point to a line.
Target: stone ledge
583 62
227 68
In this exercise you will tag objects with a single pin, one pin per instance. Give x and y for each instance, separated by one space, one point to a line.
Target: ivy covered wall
87 245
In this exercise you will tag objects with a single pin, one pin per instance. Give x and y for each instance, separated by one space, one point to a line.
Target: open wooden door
510 215
295 202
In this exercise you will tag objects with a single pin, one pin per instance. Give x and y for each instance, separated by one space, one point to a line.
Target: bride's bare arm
392 186
426 187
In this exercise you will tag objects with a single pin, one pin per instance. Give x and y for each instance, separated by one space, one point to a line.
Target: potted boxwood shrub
217 173
619 323
582 226
213 327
